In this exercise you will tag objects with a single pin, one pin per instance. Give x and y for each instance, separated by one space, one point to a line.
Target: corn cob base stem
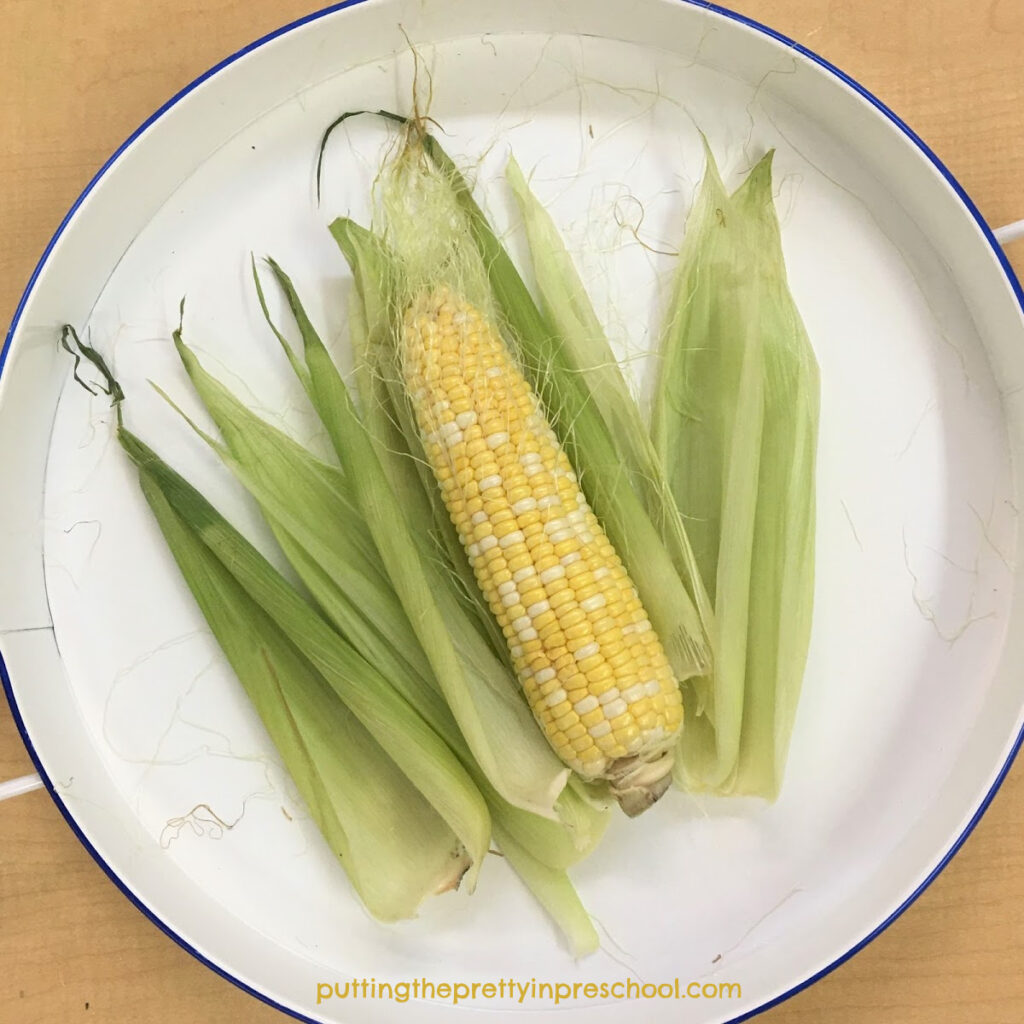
636 784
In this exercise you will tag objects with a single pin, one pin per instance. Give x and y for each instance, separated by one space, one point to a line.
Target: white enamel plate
914 691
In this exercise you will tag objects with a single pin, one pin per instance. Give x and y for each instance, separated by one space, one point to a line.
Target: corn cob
592 668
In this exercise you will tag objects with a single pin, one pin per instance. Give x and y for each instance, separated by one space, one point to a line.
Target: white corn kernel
601 729
494 480
591 604
609 695
488 542
507 587
537 609
556 572
615 708
589 703
515 537
555 698
524 505
587 651
634 692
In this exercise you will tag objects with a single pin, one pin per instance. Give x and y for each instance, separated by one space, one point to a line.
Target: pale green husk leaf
493 718
400 729
735 424
369 812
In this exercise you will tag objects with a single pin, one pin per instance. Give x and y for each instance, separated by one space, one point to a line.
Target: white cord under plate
1009 232
15 787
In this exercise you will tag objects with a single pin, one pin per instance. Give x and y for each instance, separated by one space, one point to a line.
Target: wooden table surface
75 79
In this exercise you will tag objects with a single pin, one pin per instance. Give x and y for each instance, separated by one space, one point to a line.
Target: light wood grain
75 79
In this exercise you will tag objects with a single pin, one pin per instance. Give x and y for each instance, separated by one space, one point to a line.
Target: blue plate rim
741 19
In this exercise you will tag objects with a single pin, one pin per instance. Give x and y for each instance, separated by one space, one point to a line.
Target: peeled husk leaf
400 729
496 723
734 422
369 812
305 502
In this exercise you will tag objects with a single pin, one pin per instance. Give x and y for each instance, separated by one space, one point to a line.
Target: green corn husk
735 423
422 755
369 812
496 723
440 235
367 807
544 848
305 718
307 519
273 467
387 417
322 534
396 848
554 892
